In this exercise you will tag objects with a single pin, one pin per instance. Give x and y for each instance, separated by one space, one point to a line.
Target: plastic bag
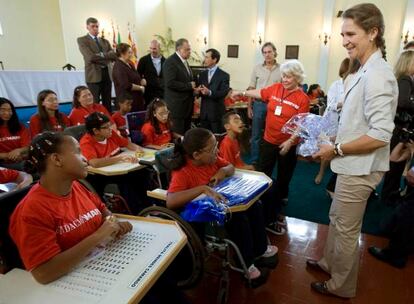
313 130
236 190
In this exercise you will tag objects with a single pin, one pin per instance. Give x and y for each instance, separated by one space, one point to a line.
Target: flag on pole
119 36
113 36
131 42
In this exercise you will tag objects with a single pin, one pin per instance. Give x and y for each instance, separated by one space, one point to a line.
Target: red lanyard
283 92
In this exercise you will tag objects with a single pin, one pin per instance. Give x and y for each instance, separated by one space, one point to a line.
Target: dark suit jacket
147 70
212 107
93 60
178 92
124 76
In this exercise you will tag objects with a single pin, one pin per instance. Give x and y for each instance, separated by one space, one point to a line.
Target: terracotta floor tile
378 283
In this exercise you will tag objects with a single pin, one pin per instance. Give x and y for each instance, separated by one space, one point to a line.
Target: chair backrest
75 131
8 203
135 120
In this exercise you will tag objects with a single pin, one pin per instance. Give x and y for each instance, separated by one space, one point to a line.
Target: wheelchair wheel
188 266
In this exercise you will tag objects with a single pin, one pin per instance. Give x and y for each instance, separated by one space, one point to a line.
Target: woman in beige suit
361 151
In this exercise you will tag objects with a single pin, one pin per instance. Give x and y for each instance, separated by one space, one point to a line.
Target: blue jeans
258 124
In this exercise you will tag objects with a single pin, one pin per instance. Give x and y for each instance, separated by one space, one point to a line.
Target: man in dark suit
98 56
150 69
179 86
214 84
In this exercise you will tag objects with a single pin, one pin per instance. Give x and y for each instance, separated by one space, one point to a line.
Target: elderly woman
126 78
284 100
362 147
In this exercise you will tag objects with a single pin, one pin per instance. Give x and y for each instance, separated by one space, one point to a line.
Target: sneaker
257 276
276 229
269 259
270 251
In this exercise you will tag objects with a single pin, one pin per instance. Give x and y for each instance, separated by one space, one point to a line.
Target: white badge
278 110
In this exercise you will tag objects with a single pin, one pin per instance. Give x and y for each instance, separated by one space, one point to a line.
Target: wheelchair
215 244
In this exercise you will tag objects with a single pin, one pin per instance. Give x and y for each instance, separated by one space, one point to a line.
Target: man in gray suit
98 55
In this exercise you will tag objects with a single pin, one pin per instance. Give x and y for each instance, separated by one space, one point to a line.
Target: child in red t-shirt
196 166
101 145
48 117
156 129
119 117
14 137
83 105
59 222
229 146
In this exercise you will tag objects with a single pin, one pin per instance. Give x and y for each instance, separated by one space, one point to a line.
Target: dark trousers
392 178
400 229
247 230
286 164
101 91
180 125
214 126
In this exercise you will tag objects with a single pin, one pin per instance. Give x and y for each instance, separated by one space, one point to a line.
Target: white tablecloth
22 87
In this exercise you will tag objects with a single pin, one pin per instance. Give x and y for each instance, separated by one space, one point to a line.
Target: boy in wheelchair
196 165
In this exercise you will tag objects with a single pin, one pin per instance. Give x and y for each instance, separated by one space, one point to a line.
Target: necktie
187 66
210 75
98 44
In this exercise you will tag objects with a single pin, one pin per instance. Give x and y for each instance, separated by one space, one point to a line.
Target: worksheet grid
97 276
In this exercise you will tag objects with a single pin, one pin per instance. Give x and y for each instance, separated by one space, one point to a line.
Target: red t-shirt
291 103
152 138
8 175
91 148
9 142
190 176
36 125
119 120
77 115
44 224
230 151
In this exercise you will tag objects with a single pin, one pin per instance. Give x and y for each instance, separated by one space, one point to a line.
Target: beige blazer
94 61
370 102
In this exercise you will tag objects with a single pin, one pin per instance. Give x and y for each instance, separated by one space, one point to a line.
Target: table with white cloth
22 87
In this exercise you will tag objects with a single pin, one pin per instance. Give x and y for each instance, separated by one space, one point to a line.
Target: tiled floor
379 283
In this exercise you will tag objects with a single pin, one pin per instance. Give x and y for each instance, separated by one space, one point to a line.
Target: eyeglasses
213 150
163 114
105 127
2 110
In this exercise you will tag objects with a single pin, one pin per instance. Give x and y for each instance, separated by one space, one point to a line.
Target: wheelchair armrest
158 193
146 162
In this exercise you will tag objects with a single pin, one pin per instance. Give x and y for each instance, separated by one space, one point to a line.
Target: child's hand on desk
109 229
128 159
218 177
215 195
124 228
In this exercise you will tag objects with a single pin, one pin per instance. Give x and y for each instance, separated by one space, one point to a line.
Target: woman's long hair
13 124
44 116
150 115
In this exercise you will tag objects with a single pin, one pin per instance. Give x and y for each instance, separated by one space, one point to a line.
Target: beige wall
42 34
393 11
32 35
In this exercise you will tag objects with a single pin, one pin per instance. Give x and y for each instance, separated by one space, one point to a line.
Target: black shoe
313 264
269 262
321 288
382 255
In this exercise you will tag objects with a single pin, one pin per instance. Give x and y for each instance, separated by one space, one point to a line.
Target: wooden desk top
122 273
124 168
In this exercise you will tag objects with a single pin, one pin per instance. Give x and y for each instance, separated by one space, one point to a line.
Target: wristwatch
338 150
